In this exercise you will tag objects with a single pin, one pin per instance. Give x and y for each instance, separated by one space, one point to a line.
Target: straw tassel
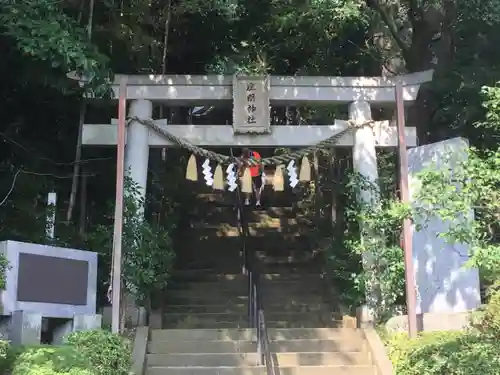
305 170
246 182
192 169
218 178
278 180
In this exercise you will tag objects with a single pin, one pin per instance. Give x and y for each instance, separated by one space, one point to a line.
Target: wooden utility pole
411 298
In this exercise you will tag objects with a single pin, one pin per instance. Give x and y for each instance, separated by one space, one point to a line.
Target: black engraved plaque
48 279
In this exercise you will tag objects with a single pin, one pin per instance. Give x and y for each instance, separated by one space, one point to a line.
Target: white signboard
251 112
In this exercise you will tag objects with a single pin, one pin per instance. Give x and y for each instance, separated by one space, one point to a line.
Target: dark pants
257 182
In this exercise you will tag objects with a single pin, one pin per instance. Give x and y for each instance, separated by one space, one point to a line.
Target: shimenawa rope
273 160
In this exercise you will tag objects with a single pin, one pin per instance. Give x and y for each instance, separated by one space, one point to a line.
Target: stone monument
45 281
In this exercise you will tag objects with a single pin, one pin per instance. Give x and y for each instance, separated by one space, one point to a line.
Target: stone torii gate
253 128
443 285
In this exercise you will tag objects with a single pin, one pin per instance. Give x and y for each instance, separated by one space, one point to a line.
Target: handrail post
255 312
262 328
259 340
250 298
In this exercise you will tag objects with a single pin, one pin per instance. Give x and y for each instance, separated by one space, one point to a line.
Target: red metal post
411 298
118 224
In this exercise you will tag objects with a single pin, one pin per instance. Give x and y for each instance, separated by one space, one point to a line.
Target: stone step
304 324
211 197
191 322
202 275
242 308
293 256
344 344
343 334
251 214
178 335
229 220
208 243
248 334
256 370
312 316
197 277
259 229
236 266
205 318
228 265
242 282
233 285
221 257
305 261
223 297
223 215
181 276
269 198
182 298
270 255
288 359
203 360
255 230
197 309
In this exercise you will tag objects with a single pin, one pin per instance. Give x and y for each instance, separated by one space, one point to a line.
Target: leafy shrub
109 354
4 356
51 360
450 353
147 249
4 266
487 321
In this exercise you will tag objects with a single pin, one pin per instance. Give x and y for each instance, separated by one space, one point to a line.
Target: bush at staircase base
450 353
473 350
86 353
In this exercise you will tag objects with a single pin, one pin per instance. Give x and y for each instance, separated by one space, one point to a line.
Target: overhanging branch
389 22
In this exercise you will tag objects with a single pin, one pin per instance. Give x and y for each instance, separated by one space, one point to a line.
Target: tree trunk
430 47
83 107
76 166
83 204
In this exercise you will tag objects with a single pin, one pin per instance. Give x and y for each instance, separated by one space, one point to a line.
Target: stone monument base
25 328
431 322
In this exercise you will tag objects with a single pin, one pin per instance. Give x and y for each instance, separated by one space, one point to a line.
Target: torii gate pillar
365 163
364 151
137 146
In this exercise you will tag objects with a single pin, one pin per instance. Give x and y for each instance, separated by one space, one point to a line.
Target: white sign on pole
51 216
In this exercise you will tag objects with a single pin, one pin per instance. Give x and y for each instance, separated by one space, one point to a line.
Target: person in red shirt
256 173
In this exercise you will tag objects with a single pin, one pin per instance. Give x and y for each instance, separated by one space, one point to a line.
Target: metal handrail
255 306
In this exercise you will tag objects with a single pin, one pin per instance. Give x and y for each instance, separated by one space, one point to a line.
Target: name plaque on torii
251 106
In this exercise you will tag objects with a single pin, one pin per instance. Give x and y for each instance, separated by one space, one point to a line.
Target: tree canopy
43 40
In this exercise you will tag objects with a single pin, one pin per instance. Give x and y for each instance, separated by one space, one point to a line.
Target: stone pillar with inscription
365 163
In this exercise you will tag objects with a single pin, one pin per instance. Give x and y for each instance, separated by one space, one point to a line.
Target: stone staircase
205 327
295 351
